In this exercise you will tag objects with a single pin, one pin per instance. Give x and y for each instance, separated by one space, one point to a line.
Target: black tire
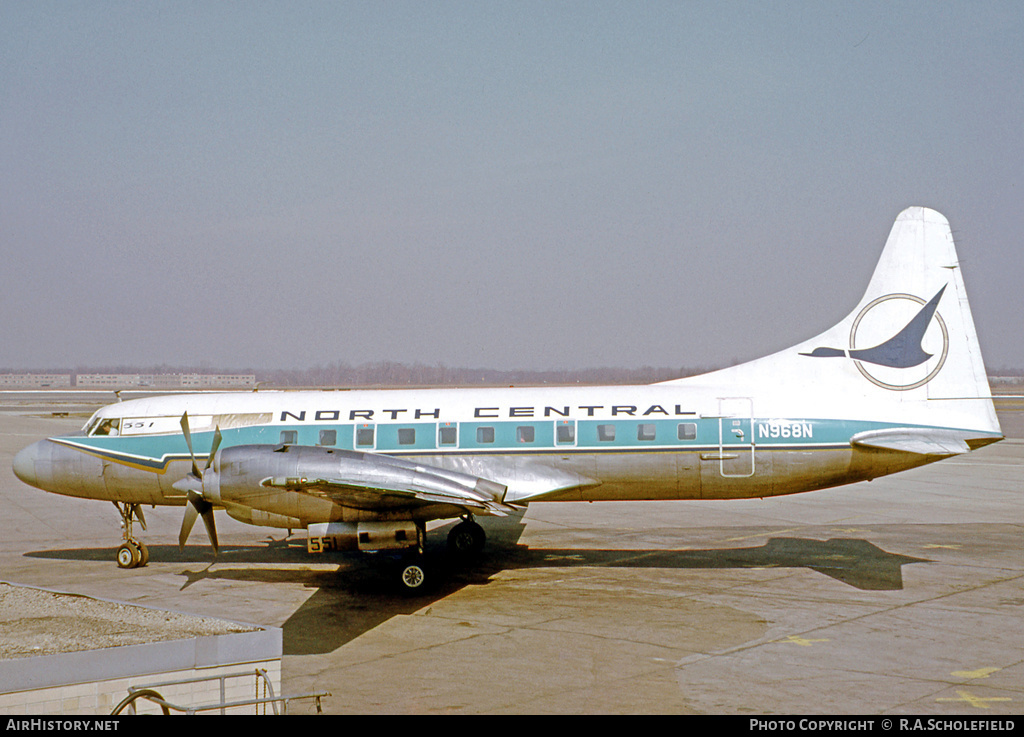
466 540
143 554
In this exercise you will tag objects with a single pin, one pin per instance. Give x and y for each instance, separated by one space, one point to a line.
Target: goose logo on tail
904 350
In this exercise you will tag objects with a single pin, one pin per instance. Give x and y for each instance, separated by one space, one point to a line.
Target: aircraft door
736 436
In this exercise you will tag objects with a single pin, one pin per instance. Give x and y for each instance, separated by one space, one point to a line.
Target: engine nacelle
260 517
310 483
366 536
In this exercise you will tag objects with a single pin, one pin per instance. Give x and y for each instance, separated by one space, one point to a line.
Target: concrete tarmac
899 596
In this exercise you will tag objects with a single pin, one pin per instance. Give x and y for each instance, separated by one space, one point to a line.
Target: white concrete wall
93 682
100 697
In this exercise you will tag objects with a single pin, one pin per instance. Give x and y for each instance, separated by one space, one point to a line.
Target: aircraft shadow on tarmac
358 595
346 606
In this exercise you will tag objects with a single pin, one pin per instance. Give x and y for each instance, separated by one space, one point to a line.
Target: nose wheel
132 553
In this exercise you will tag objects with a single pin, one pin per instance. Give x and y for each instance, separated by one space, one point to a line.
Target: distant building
203 381
106 381
166 381
35 381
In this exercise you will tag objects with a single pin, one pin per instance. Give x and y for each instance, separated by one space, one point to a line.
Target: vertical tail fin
907 353
919 261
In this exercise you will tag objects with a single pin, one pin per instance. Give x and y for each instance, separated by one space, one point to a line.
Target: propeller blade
213 448
211 527
188 442
186 525
196 507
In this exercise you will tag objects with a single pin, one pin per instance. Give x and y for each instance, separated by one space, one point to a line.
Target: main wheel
466 540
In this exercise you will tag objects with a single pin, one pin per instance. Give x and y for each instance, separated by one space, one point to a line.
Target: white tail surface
908 352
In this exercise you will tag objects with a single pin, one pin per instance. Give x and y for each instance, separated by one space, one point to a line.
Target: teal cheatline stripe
158 465
155 452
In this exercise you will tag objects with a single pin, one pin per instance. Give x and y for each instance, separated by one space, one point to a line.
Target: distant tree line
395 373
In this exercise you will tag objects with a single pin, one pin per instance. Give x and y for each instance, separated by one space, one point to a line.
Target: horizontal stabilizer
923 441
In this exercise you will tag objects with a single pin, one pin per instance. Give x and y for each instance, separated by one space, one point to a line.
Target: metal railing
149 693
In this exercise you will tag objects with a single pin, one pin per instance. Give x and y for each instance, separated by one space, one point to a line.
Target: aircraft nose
25 463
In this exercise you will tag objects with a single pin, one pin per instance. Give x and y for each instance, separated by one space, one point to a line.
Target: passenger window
328 437
525 433
565 432
606 433
645 431
364 436
289 437
407 436
447 435
687 430
485 435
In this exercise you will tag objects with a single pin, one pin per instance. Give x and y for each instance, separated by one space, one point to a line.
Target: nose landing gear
132 553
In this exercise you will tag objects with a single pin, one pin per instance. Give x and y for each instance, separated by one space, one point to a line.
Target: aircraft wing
376 482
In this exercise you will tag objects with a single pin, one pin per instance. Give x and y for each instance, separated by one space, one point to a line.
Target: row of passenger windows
447 435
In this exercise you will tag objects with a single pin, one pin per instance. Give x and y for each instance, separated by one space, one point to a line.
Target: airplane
898 383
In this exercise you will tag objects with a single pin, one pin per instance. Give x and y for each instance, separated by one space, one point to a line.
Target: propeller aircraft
898 383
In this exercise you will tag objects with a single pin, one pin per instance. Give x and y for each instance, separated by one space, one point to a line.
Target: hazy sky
514 185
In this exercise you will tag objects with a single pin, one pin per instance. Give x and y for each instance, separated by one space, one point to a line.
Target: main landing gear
465 542
412 575
132 553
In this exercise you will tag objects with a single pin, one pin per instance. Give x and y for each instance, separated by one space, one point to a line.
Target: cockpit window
109 426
